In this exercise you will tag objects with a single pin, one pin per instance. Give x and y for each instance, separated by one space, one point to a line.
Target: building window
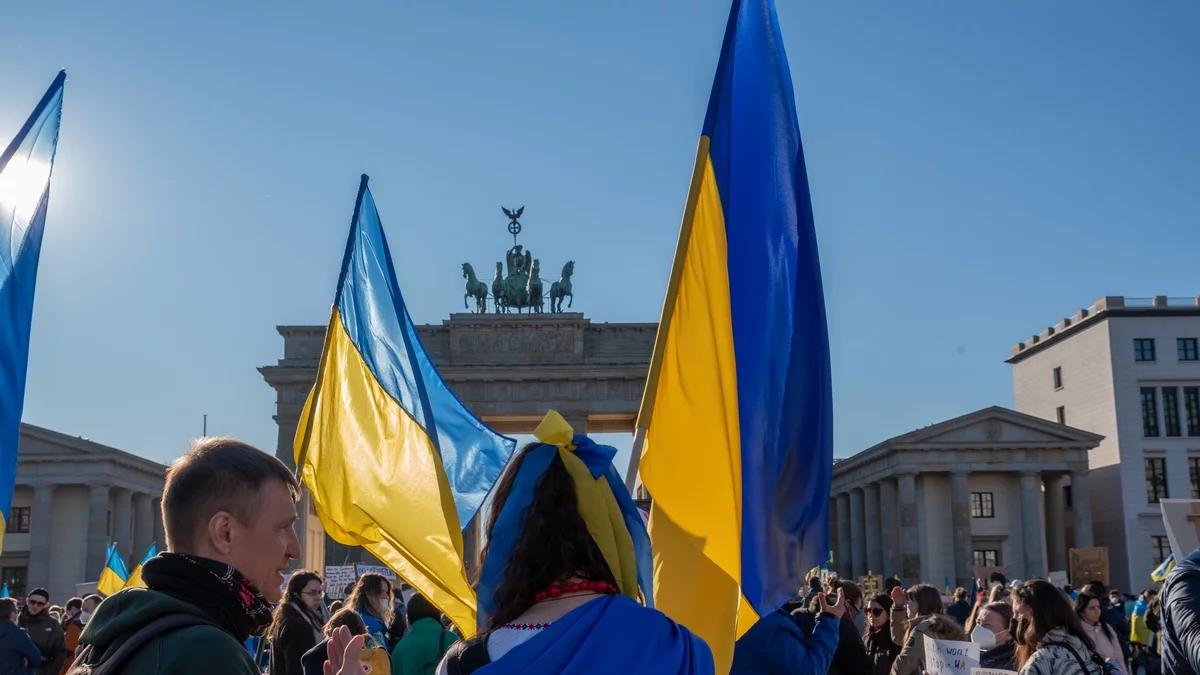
986 557
981 505
15 578
1187 349
1170 396
1058 377
18 520
1149 412
1156 479
1143 349
1160 548
1191 404
1194 475
1061 413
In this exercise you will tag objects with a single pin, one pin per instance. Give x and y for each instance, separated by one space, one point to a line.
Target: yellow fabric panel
109 582
377 481
604 521
135 579
691 462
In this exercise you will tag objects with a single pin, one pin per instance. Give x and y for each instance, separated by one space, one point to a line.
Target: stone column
160 538
143 525
97 536
858 535
578 421
1056 513
890 522
1031 526
1081 505
910 556
960 519
122 521
41 517
871 528
844 555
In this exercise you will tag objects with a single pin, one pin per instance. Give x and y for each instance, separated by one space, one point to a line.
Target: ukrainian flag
736 417
135 578
1161 572
114 574
394 461
25 167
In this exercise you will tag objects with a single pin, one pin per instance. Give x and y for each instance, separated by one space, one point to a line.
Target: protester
296 626
814 589
229 512
72 627
850 656
1111 614
422 647
45 631
314 661
779 643
372 599
1050 637
335 607
915 614
960 609
90 603
881 649
398 626
1179 613
993 634
997 593
18 653
1106 640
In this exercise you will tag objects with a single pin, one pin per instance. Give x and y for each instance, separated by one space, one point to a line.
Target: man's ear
221 532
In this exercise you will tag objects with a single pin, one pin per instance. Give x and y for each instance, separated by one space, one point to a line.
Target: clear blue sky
979 170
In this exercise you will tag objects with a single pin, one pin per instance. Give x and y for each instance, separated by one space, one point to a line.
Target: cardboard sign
1182 518
950 657
1058 578
375 569
1088 564
870 585
992 671
337 577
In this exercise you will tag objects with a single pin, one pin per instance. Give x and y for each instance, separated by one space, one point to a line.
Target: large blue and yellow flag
135 577
394 461
736 417
114 574
25 169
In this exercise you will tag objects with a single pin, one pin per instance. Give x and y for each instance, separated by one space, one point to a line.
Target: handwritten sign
375 569
1088 564
1058 578
992 671
950 657
337 577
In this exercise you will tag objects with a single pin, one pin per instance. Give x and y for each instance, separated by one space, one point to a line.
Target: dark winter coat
47 633
850 657
1180 617
881 650
298 632
17 650
777 644
1003 656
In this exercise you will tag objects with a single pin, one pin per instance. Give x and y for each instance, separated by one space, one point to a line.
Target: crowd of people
551 600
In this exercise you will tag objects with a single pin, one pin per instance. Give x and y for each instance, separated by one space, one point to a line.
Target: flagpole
646 409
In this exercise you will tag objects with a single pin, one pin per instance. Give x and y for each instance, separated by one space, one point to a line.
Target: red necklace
558 590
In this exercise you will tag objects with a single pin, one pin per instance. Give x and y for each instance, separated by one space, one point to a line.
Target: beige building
1128 369
72 498
982 490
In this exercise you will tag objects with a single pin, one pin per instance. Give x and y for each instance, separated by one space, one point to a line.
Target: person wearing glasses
45 630
297 625
881 649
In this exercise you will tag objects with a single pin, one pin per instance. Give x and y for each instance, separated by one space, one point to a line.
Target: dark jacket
17 650
850 657
297 633
1180 616
47 634
195 650
1003 656
881 650
778 644
960 611
313 661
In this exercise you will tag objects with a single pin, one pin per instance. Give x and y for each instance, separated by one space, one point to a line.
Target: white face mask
984 637
84 615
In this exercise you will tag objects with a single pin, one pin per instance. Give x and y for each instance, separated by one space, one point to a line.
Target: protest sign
337 577
950 657
375 569
1182 518
1087 565
1057 578
992 671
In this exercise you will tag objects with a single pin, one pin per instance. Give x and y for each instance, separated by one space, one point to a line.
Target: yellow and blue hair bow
605 505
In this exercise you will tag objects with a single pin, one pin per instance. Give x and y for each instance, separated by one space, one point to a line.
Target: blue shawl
613 634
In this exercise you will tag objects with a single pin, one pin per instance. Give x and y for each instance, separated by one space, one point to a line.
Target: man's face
36 604
261 550
89 606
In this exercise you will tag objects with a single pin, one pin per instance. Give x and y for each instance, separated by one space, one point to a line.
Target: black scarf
217 589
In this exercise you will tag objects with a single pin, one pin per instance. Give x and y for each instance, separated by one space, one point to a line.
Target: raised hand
899 597
838 608
345 653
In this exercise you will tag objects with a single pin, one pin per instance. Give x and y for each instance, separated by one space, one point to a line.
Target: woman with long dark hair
881 649
1050 638
925 616
296 625
566 568
372 599
1104 636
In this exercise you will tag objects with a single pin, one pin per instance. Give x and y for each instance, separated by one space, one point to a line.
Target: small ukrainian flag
114 574
135 579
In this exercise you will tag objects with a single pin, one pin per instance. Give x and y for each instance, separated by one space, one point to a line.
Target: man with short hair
72 627
229 513
90 603
17 651
45 631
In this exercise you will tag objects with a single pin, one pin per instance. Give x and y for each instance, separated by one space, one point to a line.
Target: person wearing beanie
45 631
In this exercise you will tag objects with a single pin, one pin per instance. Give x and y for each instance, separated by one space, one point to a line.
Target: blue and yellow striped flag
114 574
394 461
736 421
135 577
1163 570
25 168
